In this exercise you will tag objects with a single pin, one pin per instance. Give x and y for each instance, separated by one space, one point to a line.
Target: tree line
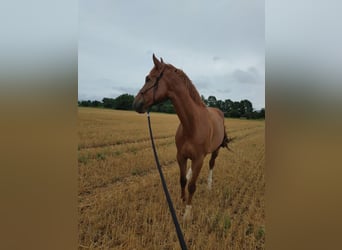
234 109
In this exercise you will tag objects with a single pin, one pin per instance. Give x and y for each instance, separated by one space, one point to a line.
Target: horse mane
195 96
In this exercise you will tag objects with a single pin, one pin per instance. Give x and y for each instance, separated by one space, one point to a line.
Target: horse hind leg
211 166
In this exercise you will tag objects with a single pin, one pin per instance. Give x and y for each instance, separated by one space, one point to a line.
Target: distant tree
96 103
258 114
204 100
235 113
108 103
220 105
85 103
234 109
164 107
262 113
212 101
124 102
236 105
168 107
227 107
246 109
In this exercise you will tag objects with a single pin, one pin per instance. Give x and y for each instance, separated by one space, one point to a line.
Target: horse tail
226 141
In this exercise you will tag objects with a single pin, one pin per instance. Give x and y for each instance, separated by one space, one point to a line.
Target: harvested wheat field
121 201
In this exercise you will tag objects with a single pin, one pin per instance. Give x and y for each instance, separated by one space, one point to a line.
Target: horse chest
193 143
189 150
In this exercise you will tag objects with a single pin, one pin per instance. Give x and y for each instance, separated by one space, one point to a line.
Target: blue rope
168 198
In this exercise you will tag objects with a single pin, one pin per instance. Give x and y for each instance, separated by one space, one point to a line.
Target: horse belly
216 142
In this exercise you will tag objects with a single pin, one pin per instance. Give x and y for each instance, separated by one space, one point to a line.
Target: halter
154 86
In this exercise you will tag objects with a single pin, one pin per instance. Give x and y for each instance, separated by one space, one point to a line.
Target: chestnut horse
201 130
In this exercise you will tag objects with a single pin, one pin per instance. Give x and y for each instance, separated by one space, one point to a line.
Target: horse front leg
182 169
196 168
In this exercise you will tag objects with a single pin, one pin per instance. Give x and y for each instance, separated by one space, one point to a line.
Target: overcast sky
218 44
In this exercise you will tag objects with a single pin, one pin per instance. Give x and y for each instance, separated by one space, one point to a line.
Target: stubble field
121 202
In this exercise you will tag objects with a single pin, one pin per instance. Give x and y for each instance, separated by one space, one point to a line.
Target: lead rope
168 198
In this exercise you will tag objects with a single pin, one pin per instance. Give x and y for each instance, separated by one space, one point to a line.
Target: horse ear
161 60
156 62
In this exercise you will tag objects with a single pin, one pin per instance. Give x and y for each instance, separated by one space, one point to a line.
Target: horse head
154 89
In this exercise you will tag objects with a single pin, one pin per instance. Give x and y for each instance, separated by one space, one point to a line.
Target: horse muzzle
138 105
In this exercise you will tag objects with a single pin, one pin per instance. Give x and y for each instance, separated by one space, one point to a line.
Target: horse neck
186 108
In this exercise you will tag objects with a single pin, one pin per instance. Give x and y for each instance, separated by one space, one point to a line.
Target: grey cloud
216 58
128 90
201 82
207 40
249 76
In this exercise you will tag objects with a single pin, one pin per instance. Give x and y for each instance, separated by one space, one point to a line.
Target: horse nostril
138 105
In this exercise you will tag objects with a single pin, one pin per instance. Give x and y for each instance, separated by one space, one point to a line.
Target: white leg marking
188 214
189 174
210 179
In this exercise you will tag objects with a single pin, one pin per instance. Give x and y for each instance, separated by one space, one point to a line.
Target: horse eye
147 79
